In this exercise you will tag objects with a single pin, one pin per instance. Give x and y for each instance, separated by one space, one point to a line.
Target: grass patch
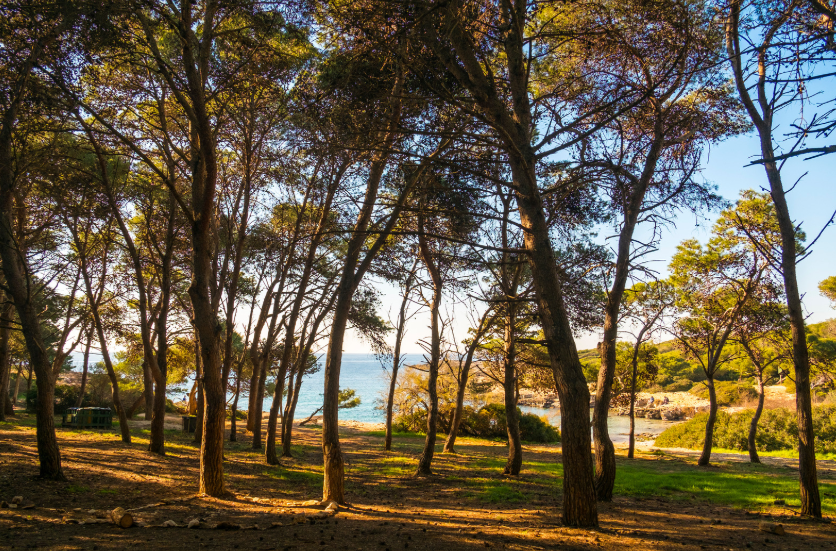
787 454
382 434
74 489
306 478
739 485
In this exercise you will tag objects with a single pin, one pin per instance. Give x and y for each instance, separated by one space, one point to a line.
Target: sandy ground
275 507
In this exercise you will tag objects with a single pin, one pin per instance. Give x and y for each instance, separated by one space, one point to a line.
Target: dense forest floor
664 501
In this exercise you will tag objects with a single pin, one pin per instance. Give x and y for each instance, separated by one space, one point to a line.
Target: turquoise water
366 376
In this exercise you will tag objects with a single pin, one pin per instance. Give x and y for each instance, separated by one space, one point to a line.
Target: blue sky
811 203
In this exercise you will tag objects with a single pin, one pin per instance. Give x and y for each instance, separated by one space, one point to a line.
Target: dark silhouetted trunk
396 357
604 449
426 458
16 272
464 375
512 420
6 408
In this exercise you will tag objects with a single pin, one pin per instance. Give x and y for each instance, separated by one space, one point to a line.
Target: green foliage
777 430
487 422
728 392
827 287
65 397
679 385
347 399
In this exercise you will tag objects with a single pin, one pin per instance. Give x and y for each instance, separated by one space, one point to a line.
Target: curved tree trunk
464 375
579 503
705 456
753 426
426 458
762 117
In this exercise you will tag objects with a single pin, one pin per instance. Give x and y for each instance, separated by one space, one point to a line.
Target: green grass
74 489
742 485
382 434
295 476
788 454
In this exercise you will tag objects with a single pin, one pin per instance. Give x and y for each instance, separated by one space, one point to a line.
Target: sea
367 377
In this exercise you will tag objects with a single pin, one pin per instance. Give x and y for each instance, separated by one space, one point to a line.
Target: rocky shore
679 407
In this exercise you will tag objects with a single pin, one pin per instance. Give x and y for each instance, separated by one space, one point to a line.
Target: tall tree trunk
148 391
635 368
604 449
157 440
198 431
6 408
753 426
763 121
287 422
333 487
512 420
426 458
464 375
396 357
17 383
111 374
579 503
705 456
233 421
84 369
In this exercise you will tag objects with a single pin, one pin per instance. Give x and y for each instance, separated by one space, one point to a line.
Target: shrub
777 430
537 429
728 392
487 422
679 385
65 397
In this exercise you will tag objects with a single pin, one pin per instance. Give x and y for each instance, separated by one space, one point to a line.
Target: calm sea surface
366 376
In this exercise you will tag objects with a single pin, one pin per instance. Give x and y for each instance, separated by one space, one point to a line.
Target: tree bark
16 273
753 426
333 488
705 456
579 500
426 458
17 384
84 370
763 121
512 420
6 408
632 445
396 357
464 375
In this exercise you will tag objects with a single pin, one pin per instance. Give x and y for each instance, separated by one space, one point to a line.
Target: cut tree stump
121 518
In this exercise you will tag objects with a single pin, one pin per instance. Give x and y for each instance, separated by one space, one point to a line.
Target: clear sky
811 204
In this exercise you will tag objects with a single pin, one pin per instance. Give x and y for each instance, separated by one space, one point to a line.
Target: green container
88 418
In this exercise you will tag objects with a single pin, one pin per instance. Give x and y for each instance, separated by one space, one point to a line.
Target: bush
66 396
728 392
537 429
777 430
487 422
679 385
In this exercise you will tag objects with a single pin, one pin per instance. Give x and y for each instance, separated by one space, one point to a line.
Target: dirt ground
467 504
